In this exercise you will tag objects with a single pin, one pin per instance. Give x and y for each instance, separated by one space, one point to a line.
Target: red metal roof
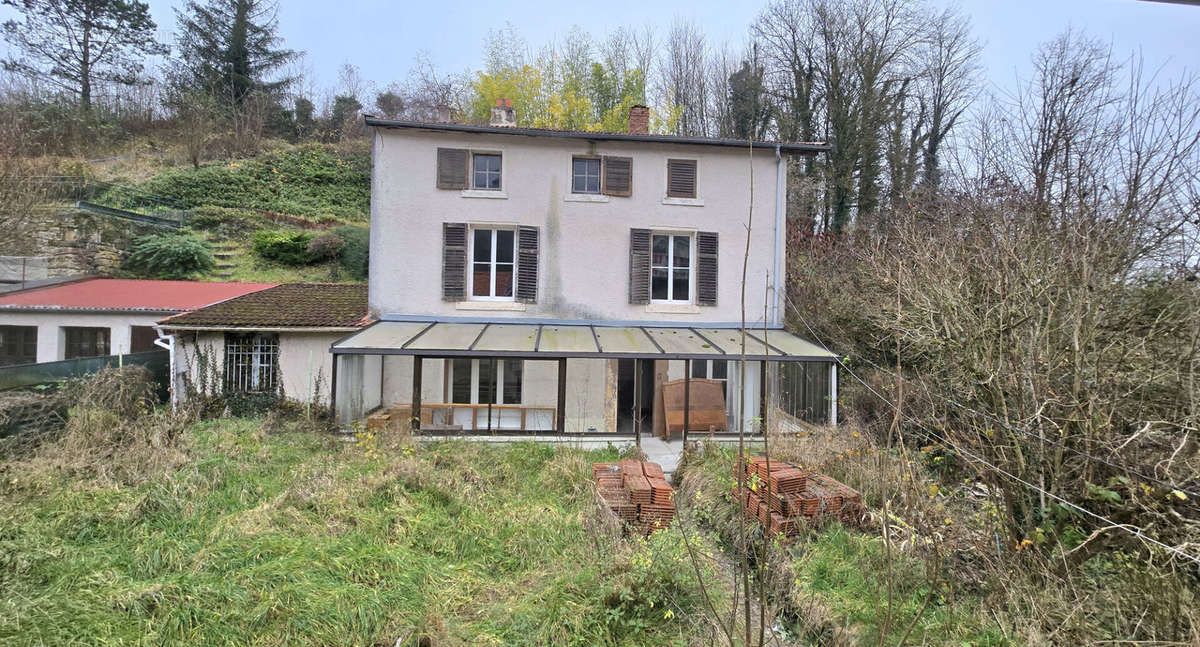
126 294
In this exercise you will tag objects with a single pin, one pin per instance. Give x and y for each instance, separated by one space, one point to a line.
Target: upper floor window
85 342
493 264
462 169
681 178
486 171
671 268
585 175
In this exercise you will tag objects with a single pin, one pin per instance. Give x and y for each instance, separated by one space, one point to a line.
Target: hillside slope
314 182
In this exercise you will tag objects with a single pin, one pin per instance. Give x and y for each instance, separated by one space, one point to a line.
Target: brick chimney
503 115
639 120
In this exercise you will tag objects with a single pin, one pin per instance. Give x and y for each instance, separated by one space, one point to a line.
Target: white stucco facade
583 265
304 363
51 337
583 259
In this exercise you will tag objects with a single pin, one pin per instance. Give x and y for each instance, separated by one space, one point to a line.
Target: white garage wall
51 340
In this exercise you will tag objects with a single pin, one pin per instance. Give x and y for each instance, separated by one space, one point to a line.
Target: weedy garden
133 524
137 526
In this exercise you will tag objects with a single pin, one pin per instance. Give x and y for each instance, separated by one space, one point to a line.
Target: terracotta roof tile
291 305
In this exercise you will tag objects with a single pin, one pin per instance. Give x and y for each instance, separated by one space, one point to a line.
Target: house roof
97 294
804 148
555 340
290 305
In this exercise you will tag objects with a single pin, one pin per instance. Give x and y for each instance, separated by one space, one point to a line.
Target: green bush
170 255
286 247
355 256
325 247
314 182
226 220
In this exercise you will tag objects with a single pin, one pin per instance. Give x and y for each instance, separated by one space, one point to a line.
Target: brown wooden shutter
454 261
452 168
681 178
639 266
706 268
618 176
527 264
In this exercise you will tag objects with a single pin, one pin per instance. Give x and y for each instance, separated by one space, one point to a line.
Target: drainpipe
168 342
778 285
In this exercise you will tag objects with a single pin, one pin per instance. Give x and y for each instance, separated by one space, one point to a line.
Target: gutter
165 324
168 342
76 310
778 286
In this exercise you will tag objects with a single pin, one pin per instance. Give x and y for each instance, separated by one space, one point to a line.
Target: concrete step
225 266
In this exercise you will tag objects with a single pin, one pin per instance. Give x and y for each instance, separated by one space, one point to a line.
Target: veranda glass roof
552 341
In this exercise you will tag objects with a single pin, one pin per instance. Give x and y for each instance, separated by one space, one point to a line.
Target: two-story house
529 279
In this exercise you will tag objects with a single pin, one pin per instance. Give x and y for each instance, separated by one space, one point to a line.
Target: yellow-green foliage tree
564 88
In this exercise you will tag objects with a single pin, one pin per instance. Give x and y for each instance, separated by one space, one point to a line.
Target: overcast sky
382 37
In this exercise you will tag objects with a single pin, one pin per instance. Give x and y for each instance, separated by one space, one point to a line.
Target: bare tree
886 80
948 77
683 79
21 191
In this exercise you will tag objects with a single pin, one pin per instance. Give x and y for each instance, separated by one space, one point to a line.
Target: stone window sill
475 193
585 197
684 202
493 306
673 308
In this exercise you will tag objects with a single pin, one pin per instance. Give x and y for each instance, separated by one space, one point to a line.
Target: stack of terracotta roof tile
637 493
784 497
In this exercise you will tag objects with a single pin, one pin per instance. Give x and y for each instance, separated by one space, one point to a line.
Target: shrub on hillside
325 247
226 220
314 182
170 255
355 256
286 247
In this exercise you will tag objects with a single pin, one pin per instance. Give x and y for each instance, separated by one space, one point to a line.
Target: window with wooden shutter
639 266
618 176
681 178
452 168
454 261
527 264
706 268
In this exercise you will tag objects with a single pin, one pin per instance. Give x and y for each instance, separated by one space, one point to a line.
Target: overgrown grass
313 181
838 591
296 538
845 571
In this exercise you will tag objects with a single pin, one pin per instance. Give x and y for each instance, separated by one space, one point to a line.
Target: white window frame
707 366
475 381
491 264
498 154
599 174
670 266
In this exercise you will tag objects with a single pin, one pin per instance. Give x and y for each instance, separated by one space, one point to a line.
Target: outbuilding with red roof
98 316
